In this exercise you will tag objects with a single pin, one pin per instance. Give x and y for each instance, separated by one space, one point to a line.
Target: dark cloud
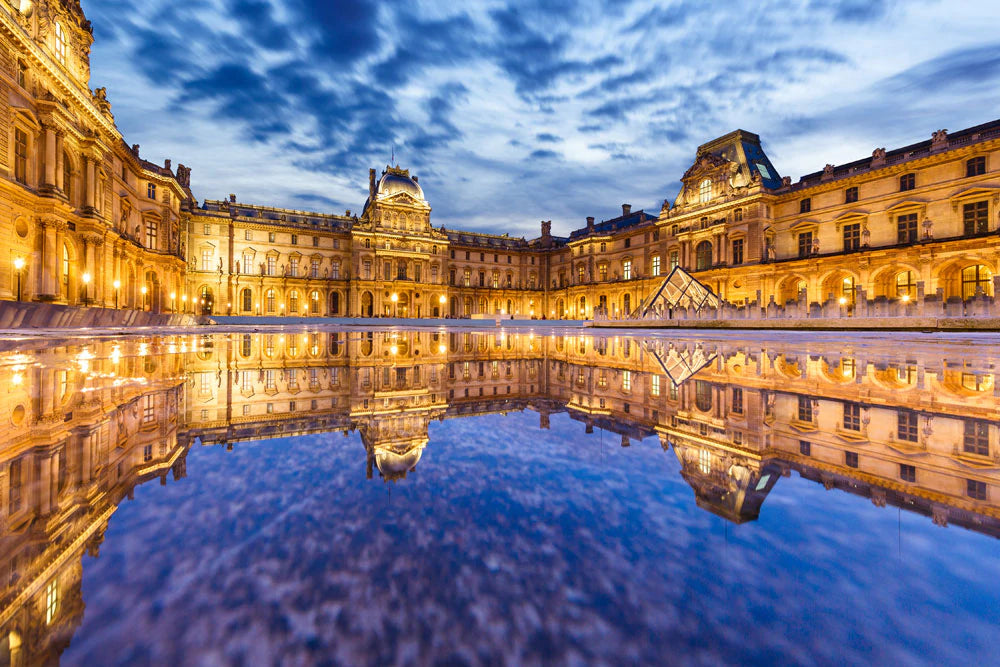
548 137
544 154
976 66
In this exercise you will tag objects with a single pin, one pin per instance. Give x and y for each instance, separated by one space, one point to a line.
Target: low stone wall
16 315
818 324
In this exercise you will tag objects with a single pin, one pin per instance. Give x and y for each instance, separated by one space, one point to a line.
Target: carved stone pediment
708 163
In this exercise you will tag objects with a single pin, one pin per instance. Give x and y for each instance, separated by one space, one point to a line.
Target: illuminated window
206 259
21 156
975 278
65 267
905 285
314 302
705 191
627 380
656 265
269 299
51 597
602 272
627 269
655 387
272 264
580 273
674 259
60 43
704 461
293 303
151 232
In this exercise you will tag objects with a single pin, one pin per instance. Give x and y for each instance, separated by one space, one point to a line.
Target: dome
394 181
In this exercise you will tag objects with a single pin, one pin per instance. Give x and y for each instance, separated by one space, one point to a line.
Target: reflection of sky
510 542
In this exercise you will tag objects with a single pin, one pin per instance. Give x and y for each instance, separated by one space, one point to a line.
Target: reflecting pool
463 497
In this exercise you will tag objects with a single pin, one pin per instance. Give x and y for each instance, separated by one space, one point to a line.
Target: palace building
88 222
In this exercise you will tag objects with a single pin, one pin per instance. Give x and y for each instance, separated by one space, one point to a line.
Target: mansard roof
743 148
949 141
633 219
281 216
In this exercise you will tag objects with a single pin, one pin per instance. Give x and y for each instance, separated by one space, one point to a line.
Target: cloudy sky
512 112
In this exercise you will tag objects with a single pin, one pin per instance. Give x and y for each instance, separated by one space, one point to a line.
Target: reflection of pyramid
679 365
678 290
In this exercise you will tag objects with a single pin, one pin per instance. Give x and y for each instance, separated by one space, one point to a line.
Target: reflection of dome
395 181
394 465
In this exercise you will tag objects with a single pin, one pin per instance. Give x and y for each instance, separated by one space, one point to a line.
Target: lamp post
442 300
86 287
173 302
18 268
143 290
117 285
184 301
395 300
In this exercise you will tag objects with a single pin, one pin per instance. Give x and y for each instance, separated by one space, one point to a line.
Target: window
21 156
14 473
851 459
737 251
974 279
272 262
805 244
151 231
656 265
738 215
674 259
247 296
627 269
906 288
976 438
703 395
628 242
907 473
604 247
60 35
295 239
467 277
852 237
314 268
737 405
975 490
975 167
906 426
482 279
269 297
293 266
207 230
705 191
315 241
907 182
22 74
293 304
51 595
151 190
906 228
626 380
270 237
805 448
805 205
703 256
852 416
805 409
654 388
975 217
206 259
248 235
850 195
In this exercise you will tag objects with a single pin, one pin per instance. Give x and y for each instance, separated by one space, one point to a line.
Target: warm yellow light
442 349
394 349
843 300
443 299
16 379
394 298
184 297
19 263
143 289
116 284
173 295
906 297
86 278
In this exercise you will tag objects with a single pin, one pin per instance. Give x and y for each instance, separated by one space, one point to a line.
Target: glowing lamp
843 300
19 263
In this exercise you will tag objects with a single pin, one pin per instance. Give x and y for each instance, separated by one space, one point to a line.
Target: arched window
293 301
705 191
848 291
247 297
583 307
60 44
906 288
335 303
703 256
974 278
269 298
703 395
65 268
67 178
627 305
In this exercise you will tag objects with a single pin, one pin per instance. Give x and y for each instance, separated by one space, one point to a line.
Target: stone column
60 164
90 187
50 156
47 270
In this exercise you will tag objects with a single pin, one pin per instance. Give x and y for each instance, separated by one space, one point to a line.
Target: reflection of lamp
395 300
117 285
18 267
86 286
906 298
442 300
843 300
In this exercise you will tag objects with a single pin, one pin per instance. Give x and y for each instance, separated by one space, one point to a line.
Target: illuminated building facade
88 222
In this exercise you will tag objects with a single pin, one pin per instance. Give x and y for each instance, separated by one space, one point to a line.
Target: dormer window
975 167
907 182
851 195
805 205
60 43
705 191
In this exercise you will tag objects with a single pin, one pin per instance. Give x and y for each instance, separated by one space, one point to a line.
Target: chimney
626 209
371 183
232 199
590 223
166 165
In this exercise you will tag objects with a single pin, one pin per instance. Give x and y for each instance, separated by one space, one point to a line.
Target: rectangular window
805 448
248 235
655 387
656 265
805 205
602 271
206 260
21 156
850 195
628 242
627 380
906 426
15 485
151 190
805 409
906 228
270 237
366 269
805 244
272 262
852 416
907 473
151 230
976 438
975 490
315 241
467 278
482 279
314 269
852 237
293 266
22 74
975 167
975 217
851 459
674 259
207 230
737 400
148 409
627 269
295 239
737 251
907 182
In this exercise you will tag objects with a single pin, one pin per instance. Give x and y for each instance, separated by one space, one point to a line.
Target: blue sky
514 112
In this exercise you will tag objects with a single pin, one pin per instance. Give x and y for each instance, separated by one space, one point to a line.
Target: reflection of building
80 438
90 221
896 425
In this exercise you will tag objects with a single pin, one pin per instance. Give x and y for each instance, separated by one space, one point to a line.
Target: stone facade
88 222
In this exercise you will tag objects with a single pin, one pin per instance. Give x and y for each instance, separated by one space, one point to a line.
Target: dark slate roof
970 135
613 225
760 164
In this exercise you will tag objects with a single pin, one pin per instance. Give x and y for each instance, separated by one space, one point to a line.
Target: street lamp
143 290
184 301
117 285
442 300
173 301
86 287
18 267
395 300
